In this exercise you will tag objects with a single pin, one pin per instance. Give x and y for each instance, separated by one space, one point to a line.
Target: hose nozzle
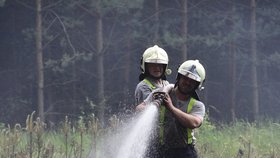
159 96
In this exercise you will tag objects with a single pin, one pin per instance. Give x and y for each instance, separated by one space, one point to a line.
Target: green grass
240 139
34 140
75 140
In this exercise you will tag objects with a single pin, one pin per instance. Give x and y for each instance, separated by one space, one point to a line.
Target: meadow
79 139
239 140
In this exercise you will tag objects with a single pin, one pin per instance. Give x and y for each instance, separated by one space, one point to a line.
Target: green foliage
2 125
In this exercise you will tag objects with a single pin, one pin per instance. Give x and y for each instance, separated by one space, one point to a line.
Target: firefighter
181 112
154 69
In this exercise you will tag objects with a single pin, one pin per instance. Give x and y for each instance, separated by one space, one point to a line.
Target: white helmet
194 70
156 55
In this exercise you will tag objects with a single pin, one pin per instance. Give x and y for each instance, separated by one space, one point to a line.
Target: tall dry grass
82 138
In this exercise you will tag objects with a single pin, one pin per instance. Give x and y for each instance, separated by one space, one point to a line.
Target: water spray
134 137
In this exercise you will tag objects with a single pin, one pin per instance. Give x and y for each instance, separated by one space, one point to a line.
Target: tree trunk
255 92
184 30
39 58
156 38
232 68
232 78
127 65
100 66
74 87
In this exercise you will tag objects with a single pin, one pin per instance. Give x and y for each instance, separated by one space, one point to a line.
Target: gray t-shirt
175 134
143 89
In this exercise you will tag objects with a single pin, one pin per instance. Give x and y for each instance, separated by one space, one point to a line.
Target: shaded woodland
82 57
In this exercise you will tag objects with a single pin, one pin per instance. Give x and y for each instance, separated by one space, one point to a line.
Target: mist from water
132 139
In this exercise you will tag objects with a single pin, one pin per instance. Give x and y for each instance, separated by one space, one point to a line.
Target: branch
51 5
65 31
25 5
94 14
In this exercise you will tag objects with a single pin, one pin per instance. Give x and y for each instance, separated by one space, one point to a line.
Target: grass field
75 140
240 139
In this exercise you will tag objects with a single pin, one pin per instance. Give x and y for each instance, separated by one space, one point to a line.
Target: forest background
82 57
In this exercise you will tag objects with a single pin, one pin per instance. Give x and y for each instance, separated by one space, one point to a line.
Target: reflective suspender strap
161 124
150 84
190 105
189 108
161 115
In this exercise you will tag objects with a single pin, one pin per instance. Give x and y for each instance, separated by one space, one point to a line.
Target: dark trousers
153 151
187 152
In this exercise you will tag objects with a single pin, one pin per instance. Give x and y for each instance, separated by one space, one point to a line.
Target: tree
184 30
156 21
39 60
100 65
253 46
232 78
232 65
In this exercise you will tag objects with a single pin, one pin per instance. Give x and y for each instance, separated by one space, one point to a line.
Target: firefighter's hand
168 88
140 107
150 99
157 103
167 101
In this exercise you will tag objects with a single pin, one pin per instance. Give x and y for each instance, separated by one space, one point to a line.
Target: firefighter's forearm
140 107
187 120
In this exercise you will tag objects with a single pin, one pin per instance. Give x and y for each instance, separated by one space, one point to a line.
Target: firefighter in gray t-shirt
153 69
181 111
